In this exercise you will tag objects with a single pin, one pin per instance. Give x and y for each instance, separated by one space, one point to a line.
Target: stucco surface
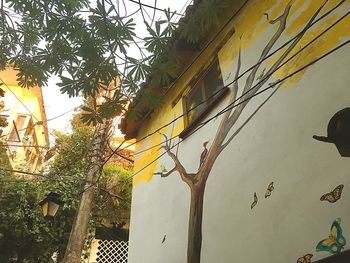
276 145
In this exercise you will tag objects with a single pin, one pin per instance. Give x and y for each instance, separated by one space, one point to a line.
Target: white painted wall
276 145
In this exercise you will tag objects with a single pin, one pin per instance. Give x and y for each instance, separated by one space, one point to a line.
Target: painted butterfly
333 196
305 259
269 190
335 242
255 201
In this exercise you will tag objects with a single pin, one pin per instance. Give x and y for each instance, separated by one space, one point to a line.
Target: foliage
24 233
86 43
3 121
23 230
115 179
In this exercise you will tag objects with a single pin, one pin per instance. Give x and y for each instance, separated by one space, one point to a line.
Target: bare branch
249 82
186 177
233 93
167 173
249 118
112 194
290 48
282 25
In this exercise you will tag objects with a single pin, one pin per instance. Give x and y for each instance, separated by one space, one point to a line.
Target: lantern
50 205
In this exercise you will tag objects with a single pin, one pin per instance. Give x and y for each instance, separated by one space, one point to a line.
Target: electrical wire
246 71
23 172
25 146
188 2
241 102
154 7
38 123
25 106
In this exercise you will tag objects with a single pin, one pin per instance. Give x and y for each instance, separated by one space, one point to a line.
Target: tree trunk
81 223
195 224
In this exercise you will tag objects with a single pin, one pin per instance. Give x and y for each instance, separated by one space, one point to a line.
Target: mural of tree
224 136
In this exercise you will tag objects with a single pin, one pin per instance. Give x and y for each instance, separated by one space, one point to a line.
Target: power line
62 114
246 71
39 122
25 146
188 2
154 7
235 105
23 172
25 106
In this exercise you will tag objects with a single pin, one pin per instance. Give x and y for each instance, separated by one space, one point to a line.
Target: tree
225 133
87 44
24 233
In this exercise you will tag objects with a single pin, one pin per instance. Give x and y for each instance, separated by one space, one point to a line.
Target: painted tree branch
188 178
248 86
234 91
167 173
250 117
282 25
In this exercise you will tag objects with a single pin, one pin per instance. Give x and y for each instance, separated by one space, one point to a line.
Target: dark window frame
198 83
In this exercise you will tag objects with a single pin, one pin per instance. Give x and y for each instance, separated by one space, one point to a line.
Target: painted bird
203 154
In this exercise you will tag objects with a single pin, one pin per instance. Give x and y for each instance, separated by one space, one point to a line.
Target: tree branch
167 173
185 176
248 91
112 194
233 93
289 49
282 25
249 118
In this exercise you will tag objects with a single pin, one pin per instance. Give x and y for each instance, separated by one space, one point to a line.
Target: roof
188 53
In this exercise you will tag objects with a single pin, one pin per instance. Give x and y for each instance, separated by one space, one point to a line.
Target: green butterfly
335 242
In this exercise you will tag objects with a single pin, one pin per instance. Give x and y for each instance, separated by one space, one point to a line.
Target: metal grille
112 251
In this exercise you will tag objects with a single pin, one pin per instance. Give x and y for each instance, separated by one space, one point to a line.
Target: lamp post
50 205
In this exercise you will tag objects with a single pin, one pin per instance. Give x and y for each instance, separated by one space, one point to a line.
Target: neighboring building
124 157
26 135
264 190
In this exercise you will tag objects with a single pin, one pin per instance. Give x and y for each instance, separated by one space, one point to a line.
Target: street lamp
50 205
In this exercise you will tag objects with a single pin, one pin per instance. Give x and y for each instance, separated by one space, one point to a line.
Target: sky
57 104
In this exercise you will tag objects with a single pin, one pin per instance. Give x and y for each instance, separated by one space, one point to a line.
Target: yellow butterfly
333 196
305 259
255 201
269 190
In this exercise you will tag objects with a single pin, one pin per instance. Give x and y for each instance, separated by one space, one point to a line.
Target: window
17 128
205 93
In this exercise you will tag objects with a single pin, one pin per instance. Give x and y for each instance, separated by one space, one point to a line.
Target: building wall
273 143
23 102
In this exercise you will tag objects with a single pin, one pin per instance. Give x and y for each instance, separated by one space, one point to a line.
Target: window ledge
219 97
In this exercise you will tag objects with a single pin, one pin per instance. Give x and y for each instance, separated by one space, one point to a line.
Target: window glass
203 92
194 99
213 81
17 127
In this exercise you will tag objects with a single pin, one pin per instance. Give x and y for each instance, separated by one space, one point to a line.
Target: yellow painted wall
249 26
24 101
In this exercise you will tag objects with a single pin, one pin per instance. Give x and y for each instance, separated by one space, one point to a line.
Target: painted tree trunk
195 225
